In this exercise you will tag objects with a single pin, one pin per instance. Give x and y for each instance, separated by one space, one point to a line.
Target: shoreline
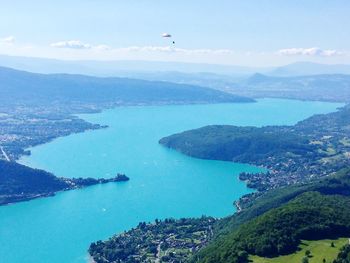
73 184
236 203
26 151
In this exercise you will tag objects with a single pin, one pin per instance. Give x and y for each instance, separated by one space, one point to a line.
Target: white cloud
170 49
74 44
8 40
101 47
77 44
313 51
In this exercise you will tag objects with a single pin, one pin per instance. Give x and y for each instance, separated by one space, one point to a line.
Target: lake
163 183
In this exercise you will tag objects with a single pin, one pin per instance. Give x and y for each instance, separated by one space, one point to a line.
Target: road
4 154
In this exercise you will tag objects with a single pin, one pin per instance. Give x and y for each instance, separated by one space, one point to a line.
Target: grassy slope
320 249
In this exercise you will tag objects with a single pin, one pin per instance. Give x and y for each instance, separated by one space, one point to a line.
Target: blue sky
254 33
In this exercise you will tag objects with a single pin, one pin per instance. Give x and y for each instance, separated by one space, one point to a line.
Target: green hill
21 183
315 147
18 183
277 222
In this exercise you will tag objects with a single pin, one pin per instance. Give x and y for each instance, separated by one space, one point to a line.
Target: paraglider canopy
166 35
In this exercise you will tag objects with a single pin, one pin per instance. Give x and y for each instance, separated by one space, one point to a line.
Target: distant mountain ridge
20 86
146 68
309 68
324 87
300 80
115 68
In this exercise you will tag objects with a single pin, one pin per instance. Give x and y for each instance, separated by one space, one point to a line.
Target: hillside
21 183
315 147
335 184
324 250
324 87
301 80
277 222
310 216
169 240
18 182
344 255
309 68
240 144
30 88
120 67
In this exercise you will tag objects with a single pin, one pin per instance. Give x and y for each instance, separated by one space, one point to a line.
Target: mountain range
25 87
145 68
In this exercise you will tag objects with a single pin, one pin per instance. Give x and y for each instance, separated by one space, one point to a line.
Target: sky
246 32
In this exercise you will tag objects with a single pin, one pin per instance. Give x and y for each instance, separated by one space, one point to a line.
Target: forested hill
18 182
315 147
310 216
21 183
19 86
276 222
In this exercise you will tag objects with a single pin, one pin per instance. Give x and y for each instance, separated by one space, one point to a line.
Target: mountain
120 67
123 68
326 87
309 68
24 87
300 80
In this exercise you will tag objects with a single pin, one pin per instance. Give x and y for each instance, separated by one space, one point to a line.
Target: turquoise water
163 182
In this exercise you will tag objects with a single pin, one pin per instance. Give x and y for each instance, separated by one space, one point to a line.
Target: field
320 250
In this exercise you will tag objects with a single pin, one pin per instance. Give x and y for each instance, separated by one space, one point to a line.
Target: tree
305 260
307 253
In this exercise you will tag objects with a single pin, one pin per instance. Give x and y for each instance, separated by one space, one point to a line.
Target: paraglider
167 35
